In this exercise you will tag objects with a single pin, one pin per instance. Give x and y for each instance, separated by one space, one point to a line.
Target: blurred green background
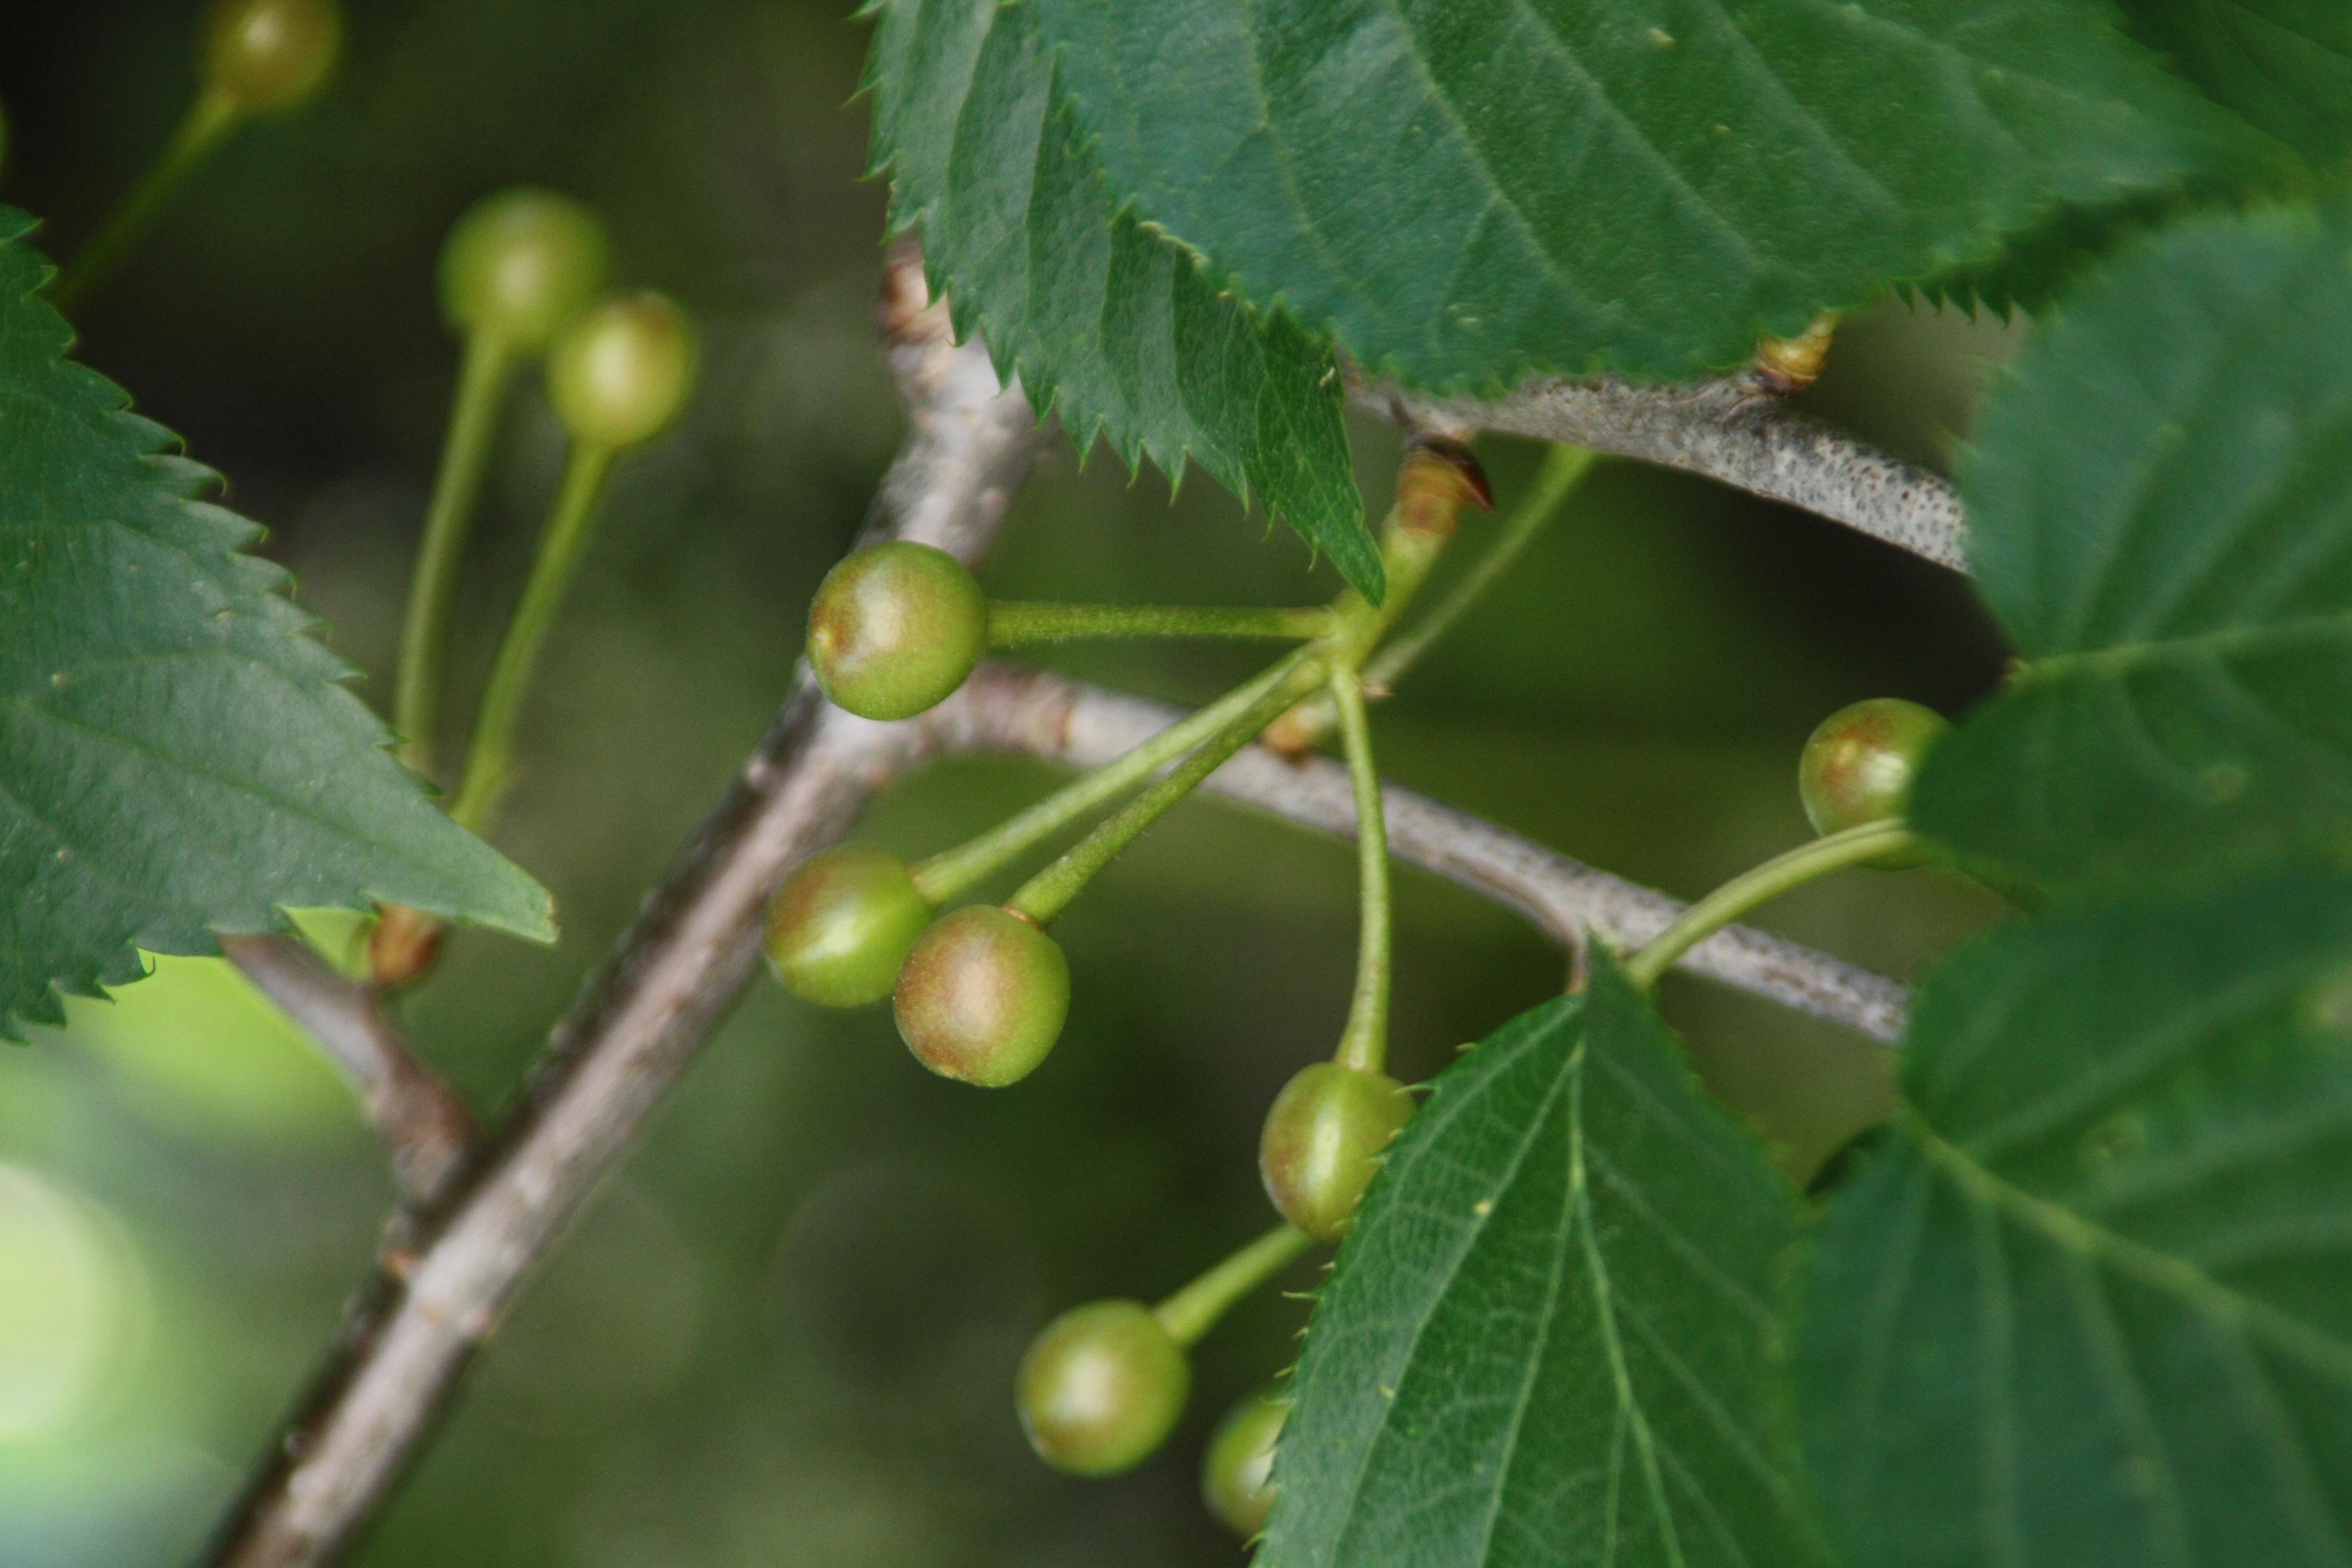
784 1333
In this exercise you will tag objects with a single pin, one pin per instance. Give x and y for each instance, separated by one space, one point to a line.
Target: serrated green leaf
1463 193
2040 265
2090 1306
1105 320
1549 1336
2285 65
2160 511
177 756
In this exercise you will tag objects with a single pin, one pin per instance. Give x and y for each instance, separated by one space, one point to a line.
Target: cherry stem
950 872
1563 470
1431 493
1364 1043
1783 873
490 758
1407 553
1194 1309
1011 624
1414 534
209 120
1048 892
482 380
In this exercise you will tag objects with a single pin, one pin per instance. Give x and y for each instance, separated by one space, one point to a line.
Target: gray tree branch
436 1297
1006 709
1729 430
424 1126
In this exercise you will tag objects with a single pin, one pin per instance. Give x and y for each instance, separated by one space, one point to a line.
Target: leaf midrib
1469 1245
1552 1286
2221 644
2175 1277
282 804
1605 1310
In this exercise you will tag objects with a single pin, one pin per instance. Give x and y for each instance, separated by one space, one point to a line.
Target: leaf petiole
1194 1309
1783 873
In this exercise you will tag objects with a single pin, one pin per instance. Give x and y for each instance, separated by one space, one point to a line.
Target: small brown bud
1439 478
404 944
1786 366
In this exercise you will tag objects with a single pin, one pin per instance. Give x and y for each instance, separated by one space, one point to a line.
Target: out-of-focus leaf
177 755
2090 1305
2285 65
2160 511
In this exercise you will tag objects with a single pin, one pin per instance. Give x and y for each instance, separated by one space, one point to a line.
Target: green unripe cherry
1101 1388
268 54
1237 1471
1858 765
895 629
1322 1143
620 374
522 263
982 997
843 924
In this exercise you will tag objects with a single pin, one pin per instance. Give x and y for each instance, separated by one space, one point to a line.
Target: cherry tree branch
1729 430
452 1264
437 1294
444 1280
422 1124
1006 709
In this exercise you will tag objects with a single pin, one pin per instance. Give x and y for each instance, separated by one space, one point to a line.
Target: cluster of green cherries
524 276
979 993
982 993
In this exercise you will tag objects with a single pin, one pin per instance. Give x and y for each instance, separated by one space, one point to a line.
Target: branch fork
422 1124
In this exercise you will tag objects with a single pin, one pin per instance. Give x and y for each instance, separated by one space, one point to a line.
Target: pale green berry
1322 1143
1859 765
1101 1388
842 926
620 374
895 629
1237 1470
520 264
261 55
982 997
